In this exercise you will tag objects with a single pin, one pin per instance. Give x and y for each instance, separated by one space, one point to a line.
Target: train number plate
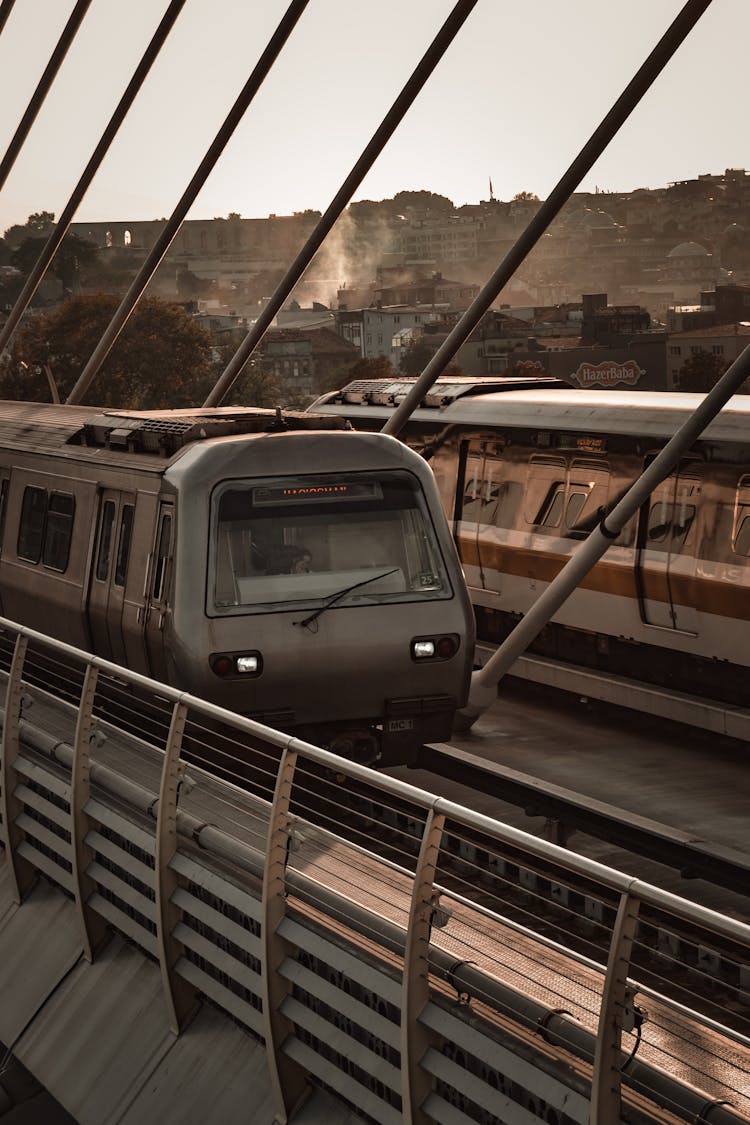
400 724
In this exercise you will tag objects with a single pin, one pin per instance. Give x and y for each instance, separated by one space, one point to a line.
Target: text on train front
299 543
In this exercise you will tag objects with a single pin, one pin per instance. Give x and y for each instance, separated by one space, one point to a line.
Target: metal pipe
589 154
58 234
387 127
483 690
5 9
167 236
37 98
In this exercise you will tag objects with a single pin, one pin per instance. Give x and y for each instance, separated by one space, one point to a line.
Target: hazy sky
515 97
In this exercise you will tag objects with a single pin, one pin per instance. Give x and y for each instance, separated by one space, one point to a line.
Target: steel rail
63 223
164 241
379 139
574 812
43 87
584 161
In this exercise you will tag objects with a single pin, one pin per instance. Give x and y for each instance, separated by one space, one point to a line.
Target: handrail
294 876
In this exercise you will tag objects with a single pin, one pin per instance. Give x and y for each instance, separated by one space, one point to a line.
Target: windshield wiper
333 598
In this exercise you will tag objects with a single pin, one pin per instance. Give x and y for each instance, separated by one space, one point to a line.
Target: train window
575 505
472 499
506 497
106 533
362 538
162 554
550 513
669 524
31 527
683 520
742 538
58 531
659 522
3 507
123 544
545 475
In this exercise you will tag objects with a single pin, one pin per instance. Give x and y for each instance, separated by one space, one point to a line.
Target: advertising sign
608 374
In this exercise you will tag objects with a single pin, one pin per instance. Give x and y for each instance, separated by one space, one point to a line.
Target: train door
665 555
447 465
106 601
468 504
4 487
741 529
500 499
158 590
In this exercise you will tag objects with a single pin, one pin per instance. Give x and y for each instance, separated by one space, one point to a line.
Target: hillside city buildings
623 290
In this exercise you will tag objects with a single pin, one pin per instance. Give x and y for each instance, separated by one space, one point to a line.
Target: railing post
179 997
22 872
415 1039
615 1015
93 928
288 1079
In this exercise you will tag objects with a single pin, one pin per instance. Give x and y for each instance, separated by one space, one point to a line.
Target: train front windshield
357 539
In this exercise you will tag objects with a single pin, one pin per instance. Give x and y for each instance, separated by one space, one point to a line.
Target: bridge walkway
298 945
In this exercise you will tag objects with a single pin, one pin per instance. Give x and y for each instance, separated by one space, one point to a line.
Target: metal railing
371 935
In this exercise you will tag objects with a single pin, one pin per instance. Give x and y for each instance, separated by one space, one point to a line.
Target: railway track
719 718
567 813
710 976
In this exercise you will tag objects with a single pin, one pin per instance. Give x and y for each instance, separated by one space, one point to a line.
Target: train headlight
435 648
228 664
447 647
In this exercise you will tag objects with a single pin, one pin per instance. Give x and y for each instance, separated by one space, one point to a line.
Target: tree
189 285
701 371
379 367
416 358
369 210
255 385
38 225
422 201
527 195
162 358
75 253
41 223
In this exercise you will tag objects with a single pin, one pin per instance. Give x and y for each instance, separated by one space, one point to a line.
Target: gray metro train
280 565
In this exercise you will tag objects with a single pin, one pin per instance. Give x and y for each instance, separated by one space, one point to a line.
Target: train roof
152 436
486 404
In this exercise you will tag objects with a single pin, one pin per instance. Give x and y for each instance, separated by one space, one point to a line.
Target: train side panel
524 476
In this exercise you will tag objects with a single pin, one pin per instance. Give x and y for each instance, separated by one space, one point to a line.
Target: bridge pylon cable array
6 8
43 87
167 236
61 228
377 143
638 86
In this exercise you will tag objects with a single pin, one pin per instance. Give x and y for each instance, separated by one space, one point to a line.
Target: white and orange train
526 470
